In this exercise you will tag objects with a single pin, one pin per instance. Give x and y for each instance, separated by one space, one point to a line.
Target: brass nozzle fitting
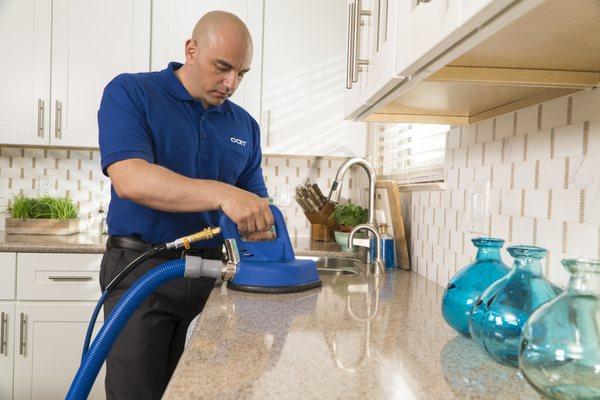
186 241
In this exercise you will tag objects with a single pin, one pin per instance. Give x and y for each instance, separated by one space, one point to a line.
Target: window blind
411 153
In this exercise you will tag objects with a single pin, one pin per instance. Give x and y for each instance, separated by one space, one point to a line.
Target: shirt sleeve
123 130
252 179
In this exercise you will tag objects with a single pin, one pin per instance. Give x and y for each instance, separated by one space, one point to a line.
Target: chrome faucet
334 196
336 186
377 265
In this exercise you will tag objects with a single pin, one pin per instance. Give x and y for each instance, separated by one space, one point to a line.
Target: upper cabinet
25 34
92 42
463 61
59 56
303 80
371 30
173 22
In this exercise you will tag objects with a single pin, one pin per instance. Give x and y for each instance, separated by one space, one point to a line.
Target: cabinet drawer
43 276
7 276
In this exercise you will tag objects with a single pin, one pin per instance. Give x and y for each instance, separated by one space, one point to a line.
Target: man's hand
250 212
259 236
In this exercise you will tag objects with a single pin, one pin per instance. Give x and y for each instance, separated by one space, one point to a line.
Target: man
176 151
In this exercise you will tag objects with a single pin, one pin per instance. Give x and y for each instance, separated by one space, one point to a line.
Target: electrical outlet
478 198
45 184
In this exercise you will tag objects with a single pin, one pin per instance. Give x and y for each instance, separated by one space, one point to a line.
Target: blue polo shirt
152 116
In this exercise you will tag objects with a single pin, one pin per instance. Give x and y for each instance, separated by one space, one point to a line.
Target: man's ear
190 49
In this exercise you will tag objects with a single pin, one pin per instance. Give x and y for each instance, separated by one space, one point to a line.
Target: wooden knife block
322 227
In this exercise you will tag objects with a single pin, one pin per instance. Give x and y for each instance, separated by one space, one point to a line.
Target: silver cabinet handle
268 127
350 46
4 334
58 120
70 278
40 115
23 335
359 12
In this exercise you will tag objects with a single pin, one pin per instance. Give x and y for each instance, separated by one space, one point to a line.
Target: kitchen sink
335 265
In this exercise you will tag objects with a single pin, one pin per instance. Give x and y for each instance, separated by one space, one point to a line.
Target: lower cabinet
7 320
43 322
47 349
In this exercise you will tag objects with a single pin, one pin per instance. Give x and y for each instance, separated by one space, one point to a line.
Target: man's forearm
161 189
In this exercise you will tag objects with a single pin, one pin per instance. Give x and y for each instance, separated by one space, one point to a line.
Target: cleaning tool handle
279 249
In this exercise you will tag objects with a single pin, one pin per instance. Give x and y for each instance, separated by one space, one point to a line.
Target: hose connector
186 241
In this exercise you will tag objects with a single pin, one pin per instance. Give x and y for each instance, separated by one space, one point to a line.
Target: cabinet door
173 22
48 350
25 70
92 42
304 79
381 74
7 340
425 29
356 94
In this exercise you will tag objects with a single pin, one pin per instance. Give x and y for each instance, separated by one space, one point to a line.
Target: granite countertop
76 243
89 243
354 338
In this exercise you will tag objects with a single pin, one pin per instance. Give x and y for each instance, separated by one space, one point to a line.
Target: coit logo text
238 141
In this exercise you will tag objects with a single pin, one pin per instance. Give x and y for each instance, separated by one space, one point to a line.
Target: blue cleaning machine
268 267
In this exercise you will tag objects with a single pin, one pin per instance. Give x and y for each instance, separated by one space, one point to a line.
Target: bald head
216 24
217 57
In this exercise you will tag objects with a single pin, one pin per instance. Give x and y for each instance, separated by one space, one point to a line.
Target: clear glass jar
470 282
560 347
500 313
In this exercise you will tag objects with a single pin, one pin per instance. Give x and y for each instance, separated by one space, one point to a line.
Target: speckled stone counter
88 243
354 338
77 243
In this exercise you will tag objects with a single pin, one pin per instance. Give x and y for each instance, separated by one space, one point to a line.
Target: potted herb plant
44 215
347 216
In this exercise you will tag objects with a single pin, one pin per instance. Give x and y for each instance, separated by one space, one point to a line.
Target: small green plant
43 207
349 215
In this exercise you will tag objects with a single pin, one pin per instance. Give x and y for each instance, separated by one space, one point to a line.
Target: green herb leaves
43 207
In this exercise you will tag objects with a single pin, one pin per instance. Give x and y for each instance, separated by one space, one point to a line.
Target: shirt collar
176 89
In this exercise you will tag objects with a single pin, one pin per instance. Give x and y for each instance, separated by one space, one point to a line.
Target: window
410 153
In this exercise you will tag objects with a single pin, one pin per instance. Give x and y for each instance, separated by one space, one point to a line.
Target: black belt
139 245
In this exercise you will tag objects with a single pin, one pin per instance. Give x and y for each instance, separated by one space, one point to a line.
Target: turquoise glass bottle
560 346
500 313
468 284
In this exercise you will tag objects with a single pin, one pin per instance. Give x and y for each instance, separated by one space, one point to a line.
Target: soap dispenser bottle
387 247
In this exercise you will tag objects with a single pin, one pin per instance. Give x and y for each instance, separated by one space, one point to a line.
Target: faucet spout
336 187
377 266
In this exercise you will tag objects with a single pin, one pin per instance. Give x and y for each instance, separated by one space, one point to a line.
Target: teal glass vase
498 317
470 282
560 347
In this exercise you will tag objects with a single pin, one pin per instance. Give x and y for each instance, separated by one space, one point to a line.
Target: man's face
217 66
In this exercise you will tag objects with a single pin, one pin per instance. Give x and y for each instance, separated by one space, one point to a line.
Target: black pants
146 352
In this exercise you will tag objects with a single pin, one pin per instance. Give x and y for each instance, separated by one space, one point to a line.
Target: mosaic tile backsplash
77 175
542 165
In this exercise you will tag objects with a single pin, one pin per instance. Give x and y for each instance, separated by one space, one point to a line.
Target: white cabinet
58 57
41 340
92 42
25 33
50 338
7 346
303 81
374 59
7 275
424 30
381 71
173 22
